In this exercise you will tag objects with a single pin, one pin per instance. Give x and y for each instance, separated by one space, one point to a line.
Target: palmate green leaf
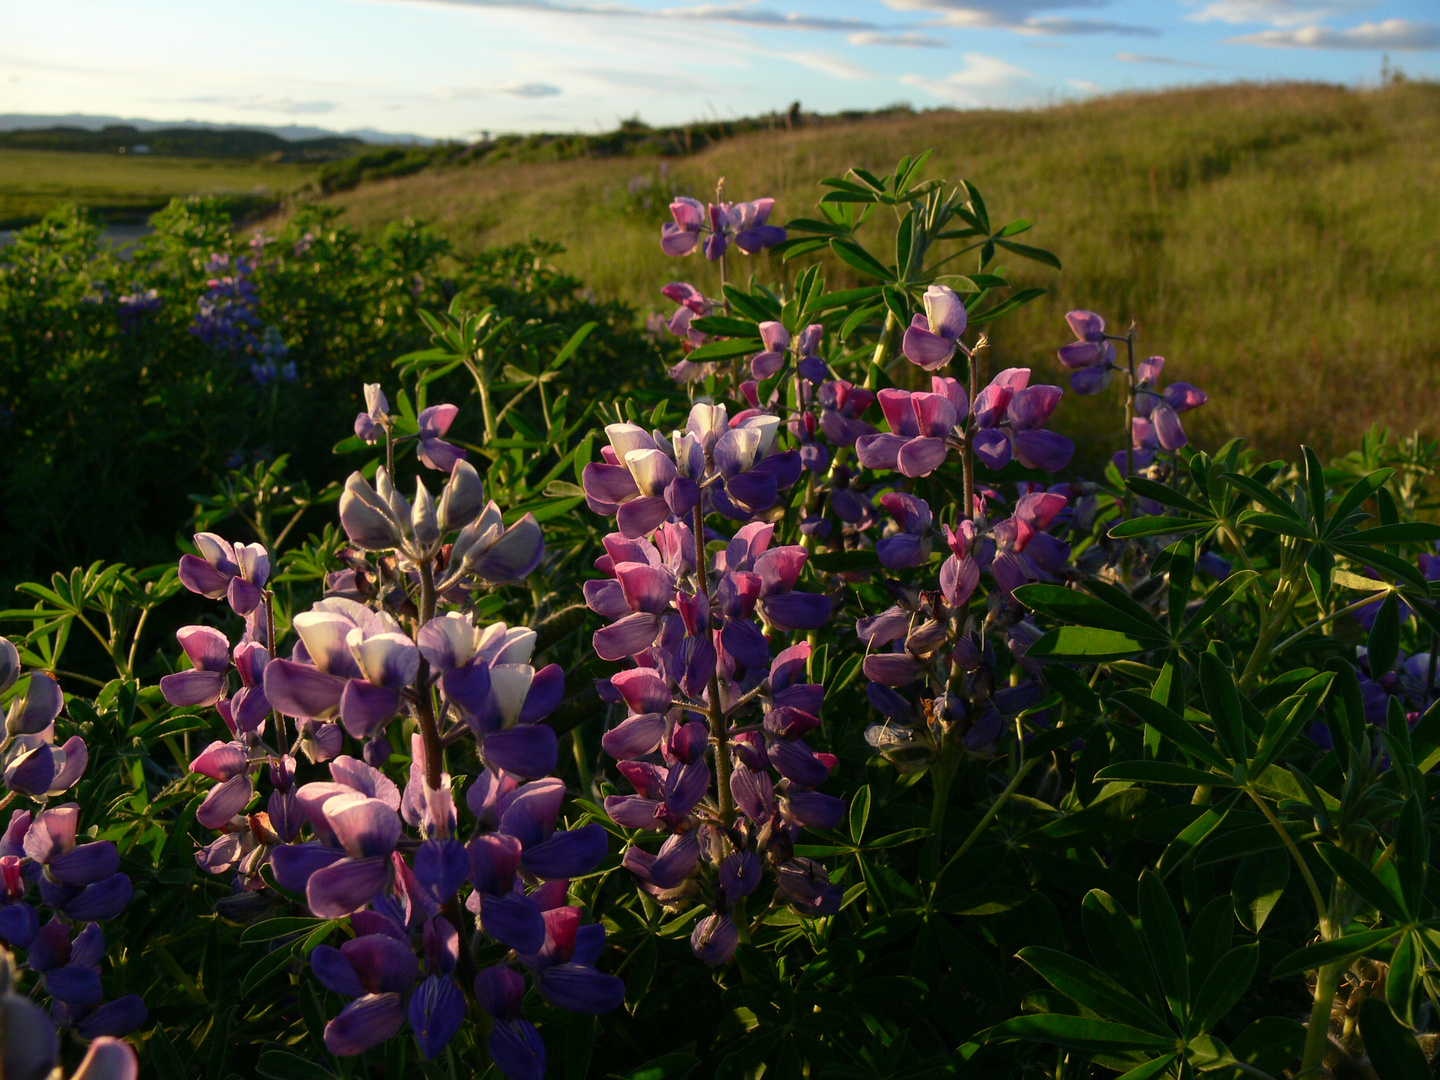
855 256
1391 1046
859 813
283 1065
1401 569
726 325
1403 978
1352 500
1336 950
1181 572
1269 1044
1163 772
1221 595
1161 926
1076 607
1150 1069
843 298
1092 989
858 318
725 350
1288 719
1384 641
845 561
1222 988
1112 939
1192 836
666 1067
1080 1033
1025 251
1276 523
1167 496
1405 532
1084 643
1158 526
1263 495
1259 882
1020 299
1174 727
760 308
1362 881
1315 488
1222 701
1412 850
1073 688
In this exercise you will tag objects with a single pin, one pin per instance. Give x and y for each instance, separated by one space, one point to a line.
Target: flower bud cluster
722 224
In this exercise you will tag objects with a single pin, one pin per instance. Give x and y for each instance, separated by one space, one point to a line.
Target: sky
463 68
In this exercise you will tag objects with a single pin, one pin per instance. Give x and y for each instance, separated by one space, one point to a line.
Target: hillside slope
1277 243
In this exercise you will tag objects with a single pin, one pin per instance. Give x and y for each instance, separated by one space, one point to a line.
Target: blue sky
455 68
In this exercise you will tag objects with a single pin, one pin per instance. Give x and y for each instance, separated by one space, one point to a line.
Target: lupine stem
424 707
715 713
1129 417
984 823
883 348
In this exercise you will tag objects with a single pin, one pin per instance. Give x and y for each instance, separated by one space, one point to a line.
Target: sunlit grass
35 181
1276 243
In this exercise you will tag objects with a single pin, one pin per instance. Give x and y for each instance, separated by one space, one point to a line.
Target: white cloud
1399 34
986 80
1059 24
827 64
529 89
1084 85
1278 12
1170 61
748 16
274 103
910 40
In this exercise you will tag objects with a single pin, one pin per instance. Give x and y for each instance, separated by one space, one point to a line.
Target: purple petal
567 854
517 1049
925 349
365 709
797 611
1079 355
515 555
639 517
513 920
891 669
634 737
1168 428
364 826
364 1023
224 802
625 638
189 688
992 446
581 989
501 990
108 1059
880 451
753 491
920 457
114 1018
99 902
714 939
527 750
335 972
199 576
1044 450
1091 380
295 863
816 811
945 312
383 963
437 1009
346 886
797 762
301 690
1033 406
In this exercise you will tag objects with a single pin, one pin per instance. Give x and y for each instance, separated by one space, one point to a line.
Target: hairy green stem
424 704
984 823
715 713
883 348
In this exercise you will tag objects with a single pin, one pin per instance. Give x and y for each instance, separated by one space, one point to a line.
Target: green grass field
130 186
1278 244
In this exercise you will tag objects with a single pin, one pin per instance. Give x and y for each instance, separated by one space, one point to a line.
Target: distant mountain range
290 132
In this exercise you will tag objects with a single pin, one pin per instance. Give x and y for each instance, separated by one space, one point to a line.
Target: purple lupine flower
744 224
1014 564
931 339
34 711
434 451
960 573
1163 409
376 415
910 544
841 405
1011 415
235 572
1091 357
920 425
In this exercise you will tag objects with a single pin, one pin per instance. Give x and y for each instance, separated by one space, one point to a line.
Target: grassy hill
1277 243
130 187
